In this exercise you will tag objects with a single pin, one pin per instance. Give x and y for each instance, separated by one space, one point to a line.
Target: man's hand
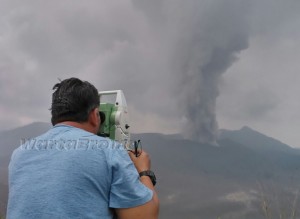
150 209
141 162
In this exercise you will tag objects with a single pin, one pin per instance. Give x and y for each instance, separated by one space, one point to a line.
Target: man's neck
85 126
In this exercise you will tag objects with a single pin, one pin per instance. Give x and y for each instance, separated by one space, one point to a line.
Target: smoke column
213 41
203 40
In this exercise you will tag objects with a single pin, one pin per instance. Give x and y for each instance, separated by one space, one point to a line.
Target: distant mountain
204 181
196 180
283 156
254 140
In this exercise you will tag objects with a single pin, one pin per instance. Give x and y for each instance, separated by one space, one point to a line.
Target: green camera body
114 117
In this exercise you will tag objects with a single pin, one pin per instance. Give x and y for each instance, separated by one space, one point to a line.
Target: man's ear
94 118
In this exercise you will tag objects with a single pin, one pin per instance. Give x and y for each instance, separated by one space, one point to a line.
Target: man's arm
150 209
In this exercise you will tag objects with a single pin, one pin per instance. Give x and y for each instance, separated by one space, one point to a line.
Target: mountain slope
284 157
253 139
228 179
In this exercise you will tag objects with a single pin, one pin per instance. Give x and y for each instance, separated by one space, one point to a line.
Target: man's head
74 100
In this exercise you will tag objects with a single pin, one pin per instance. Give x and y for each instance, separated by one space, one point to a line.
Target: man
70 172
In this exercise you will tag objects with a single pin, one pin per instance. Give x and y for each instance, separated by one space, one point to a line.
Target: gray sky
188 66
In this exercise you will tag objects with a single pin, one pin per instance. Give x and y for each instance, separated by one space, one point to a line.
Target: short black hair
73 100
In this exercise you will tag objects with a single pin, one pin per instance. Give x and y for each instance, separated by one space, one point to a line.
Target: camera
114 117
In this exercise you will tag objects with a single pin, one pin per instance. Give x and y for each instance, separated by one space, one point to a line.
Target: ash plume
204 38
209 51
